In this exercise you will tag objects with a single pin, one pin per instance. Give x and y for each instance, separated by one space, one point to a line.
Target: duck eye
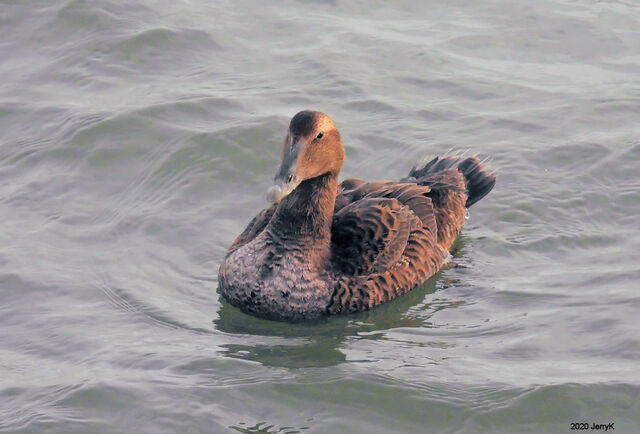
320 134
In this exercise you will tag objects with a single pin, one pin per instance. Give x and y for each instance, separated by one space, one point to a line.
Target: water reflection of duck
324 248
321 342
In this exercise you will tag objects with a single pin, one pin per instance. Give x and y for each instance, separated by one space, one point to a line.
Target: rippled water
137 140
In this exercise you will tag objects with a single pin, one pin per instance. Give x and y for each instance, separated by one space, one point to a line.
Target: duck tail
478 179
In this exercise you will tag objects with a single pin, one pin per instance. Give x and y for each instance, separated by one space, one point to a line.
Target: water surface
137 139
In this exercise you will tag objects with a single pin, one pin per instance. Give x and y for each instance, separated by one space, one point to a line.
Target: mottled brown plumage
325 248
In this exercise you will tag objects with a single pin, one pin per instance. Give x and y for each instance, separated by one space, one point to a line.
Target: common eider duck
326 248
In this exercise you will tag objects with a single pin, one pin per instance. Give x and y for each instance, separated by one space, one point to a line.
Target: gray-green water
138 138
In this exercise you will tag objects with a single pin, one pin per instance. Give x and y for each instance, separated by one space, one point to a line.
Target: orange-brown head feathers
311 148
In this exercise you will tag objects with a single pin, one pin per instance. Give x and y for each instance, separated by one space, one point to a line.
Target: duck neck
304 216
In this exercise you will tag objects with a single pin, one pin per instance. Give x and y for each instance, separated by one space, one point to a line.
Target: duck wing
416 197
456 183
384 243
448 194
253 229
369 235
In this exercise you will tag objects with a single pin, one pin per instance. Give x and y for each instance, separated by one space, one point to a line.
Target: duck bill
277 192
285 179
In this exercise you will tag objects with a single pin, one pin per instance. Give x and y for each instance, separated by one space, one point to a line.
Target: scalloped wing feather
370 235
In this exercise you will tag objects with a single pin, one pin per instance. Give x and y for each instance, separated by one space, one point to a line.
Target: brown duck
324 248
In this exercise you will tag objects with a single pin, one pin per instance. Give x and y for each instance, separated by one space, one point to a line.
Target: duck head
311 148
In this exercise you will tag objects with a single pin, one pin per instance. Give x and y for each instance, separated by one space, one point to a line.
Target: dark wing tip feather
479 181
